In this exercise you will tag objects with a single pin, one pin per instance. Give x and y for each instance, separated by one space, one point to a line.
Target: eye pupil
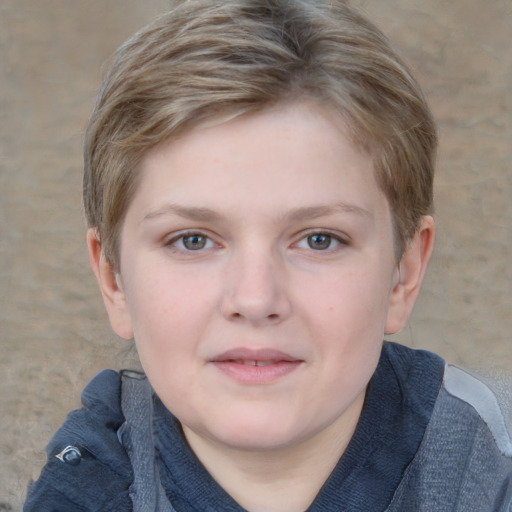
319 241
194 242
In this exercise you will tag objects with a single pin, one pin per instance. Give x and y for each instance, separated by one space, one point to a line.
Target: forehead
296 155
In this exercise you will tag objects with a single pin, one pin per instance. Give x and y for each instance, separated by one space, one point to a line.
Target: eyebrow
295 215
314 212
187 212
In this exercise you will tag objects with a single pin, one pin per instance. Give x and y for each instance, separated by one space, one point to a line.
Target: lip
257 367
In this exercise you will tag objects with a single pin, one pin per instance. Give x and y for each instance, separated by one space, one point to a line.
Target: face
256 274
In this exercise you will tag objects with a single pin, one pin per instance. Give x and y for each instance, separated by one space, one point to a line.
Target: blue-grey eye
319 241
194 242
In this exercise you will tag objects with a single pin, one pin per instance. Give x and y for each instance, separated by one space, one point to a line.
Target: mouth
256 367
255 363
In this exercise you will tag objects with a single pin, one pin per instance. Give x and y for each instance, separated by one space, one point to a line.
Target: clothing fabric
430 438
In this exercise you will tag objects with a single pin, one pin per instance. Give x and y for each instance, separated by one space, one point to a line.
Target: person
258 186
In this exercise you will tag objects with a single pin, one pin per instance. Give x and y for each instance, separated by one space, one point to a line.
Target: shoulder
464 462
87 467
450 389
480 402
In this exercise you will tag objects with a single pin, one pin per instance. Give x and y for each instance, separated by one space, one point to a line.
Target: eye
320 242
191 242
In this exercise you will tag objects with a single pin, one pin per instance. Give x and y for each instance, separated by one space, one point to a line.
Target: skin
264 233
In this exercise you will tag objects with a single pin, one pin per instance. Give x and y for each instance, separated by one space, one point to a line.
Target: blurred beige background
53 330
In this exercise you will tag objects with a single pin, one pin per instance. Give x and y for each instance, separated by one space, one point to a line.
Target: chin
256 435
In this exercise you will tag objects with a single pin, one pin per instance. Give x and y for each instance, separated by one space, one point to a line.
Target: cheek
161 297
170 312
168 324
348 304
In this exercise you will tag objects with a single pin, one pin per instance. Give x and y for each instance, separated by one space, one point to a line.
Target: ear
110 286
410 274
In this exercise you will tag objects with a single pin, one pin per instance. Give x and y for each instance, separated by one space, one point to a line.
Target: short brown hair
204 60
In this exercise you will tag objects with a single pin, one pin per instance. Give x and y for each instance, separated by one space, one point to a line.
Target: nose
256 290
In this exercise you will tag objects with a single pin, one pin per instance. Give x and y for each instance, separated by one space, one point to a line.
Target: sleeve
87 467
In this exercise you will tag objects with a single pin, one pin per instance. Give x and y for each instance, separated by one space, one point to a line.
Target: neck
277 480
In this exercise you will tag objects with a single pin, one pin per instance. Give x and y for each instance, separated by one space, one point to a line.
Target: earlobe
110 286
410 274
